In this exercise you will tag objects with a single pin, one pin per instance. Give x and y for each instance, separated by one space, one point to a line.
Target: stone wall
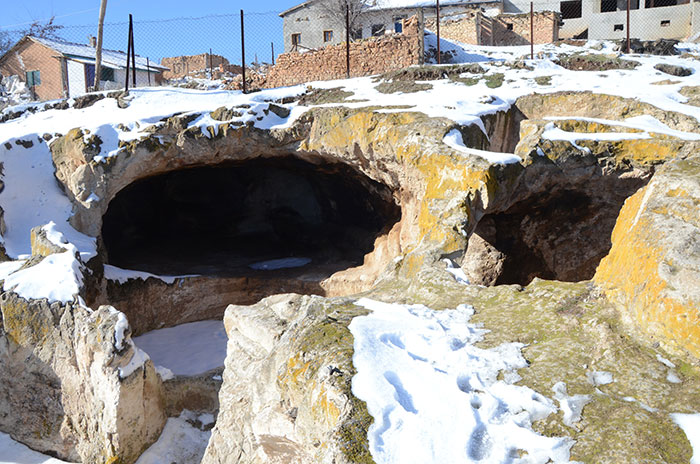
181 66
371 56
475 28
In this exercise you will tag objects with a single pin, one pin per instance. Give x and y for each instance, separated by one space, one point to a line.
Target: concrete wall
463 28
32 56
645 23
370 56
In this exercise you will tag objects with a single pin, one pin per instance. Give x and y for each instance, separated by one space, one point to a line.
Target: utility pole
98 48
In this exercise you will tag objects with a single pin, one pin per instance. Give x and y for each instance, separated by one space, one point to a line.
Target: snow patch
690 423
456 271
124 275
598 378
137 361
186 349
12 452
571 406
179 442
454 140
436 398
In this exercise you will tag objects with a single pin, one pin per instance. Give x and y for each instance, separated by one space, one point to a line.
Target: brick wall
514 29
33 56
460 27
181 66
370 56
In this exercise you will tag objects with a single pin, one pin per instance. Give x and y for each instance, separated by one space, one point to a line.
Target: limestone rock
62 369
653 269
41 245
286 392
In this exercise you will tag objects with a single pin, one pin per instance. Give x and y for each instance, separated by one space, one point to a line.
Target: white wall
645 24
76 79
141 78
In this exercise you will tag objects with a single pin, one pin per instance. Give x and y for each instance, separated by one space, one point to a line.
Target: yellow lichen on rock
653 271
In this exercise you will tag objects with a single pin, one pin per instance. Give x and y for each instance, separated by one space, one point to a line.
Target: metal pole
245 89
133 55
347 40
148 70
273 53
128 57
628 25
439 58
532 31
211 66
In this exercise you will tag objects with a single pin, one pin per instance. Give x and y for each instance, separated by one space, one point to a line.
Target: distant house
309 26
55 69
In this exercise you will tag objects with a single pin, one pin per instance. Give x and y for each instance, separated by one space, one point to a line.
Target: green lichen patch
692 93
430 73
494 81
594 62
402 87
543 80
325 96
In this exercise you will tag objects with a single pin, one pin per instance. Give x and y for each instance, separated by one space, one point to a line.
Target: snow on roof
110 58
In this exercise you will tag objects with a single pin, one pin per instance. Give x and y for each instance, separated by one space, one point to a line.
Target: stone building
55 69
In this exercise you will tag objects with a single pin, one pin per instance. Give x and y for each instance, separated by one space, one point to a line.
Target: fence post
148 70
133 54
628 26
532 31
243 51
347 40
437 9
128 56
211 65
273 53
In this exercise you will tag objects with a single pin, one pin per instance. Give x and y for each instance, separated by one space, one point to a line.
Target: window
570 9
607 6
398 24
356 34
619 27
327 36
106 74
296 39
509 26
378 30
33 78
665 23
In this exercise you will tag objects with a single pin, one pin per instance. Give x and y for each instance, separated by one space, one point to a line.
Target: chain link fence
307 42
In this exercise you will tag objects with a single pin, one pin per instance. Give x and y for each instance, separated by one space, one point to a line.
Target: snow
137 361
187 349
435 397
690 423
647 408
572 406
12 452
598 378
665 361
672 377
454 140
122 276
179 442
282 263
456 271
57 277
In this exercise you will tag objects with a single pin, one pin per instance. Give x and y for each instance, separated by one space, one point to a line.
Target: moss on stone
325 96
493 81
402 87
543 80
594 62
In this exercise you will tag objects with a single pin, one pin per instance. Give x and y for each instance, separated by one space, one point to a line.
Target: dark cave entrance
560 235
219 220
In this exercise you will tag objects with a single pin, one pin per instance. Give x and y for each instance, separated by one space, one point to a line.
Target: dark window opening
356 34
327 36
661 3
398 24
665 23
570 9
33 78
296 39
509 26
378 30
220 220
607 6
619 27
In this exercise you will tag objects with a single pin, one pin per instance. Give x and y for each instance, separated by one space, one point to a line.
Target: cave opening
558 235
237 218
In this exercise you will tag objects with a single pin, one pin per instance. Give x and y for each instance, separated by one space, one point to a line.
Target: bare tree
343 12
98 47
44 30
6 42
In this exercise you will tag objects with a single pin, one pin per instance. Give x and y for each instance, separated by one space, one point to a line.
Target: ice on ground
571 406
12 452
187 349
454 140
180 442
598 378
672 377
690 423
456 271
665 361
646 407
282 263
436 398
120 275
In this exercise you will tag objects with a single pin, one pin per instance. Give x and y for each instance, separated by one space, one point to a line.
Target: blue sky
159 30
